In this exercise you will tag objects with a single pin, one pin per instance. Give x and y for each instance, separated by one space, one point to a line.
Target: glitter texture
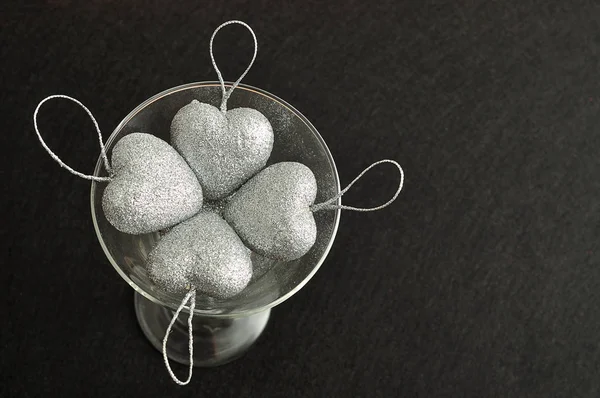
153 187
223 149
271 212
203 252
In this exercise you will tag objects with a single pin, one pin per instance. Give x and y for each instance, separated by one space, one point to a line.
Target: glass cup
223 328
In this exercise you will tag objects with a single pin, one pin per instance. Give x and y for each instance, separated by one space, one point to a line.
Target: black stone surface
482 280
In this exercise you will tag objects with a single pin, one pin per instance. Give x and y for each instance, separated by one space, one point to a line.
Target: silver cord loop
56 158
328 204
226 93
191 297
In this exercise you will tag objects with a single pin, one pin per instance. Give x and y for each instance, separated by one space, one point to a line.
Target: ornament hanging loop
227 93
191 297
329 203
56 158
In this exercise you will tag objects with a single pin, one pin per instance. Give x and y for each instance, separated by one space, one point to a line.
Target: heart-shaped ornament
204 253
271 212
152 188
224 148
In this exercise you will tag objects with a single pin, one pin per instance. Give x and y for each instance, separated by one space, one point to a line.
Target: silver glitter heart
271 212
203 252
223 149
152 188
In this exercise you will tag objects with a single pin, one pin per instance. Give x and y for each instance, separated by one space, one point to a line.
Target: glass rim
232 314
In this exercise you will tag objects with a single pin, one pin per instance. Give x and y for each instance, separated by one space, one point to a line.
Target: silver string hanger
227 93
329 203
191 297
56 158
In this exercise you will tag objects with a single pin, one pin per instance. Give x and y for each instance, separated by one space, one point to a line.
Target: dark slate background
482 280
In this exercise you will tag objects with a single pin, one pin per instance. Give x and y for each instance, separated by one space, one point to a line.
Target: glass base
217 341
